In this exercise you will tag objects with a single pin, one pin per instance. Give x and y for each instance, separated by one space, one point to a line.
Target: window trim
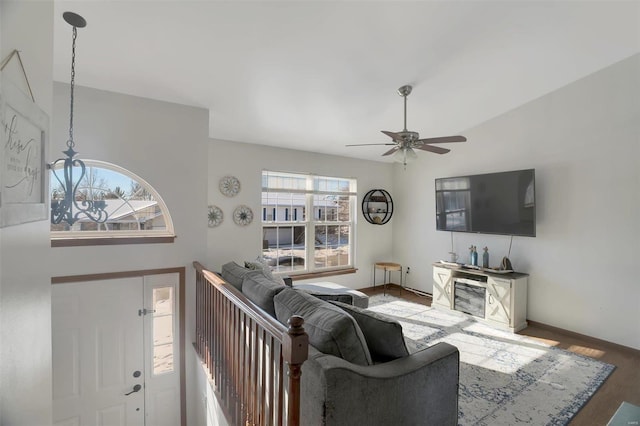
95 238
110 241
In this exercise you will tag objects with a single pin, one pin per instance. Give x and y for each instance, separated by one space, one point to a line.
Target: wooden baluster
270 390
255 367
219 336
261 389
229 357
241 355
237 379
281 389
198 316
217 319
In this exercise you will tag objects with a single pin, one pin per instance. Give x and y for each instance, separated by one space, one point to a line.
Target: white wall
246 161
165 144
584 142
25 291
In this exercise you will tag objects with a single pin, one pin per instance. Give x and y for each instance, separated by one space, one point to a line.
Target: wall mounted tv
494 203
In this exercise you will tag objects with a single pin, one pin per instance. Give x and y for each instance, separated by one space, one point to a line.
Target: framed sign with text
24 129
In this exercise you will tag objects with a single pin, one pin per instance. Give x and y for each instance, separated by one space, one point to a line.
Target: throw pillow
331 330
260 265
382 333
234 274
261 291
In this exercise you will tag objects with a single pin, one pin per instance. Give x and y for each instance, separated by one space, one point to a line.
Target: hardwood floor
622 385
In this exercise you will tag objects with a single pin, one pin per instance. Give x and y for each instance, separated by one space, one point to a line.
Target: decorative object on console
473 256
73 205
215 216
506 264
229 186
242 215
452 253
406 141
377 206
485 257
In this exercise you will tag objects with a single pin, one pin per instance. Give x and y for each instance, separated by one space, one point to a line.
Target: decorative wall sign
24 129
229 186
242 215
215 216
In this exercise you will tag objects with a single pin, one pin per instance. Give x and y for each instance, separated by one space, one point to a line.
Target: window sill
78 242
323 274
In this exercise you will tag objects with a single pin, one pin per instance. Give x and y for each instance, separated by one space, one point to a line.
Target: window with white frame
307 222
134 208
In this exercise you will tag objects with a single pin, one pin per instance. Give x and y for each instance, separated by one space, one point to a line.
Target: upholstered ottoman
359 299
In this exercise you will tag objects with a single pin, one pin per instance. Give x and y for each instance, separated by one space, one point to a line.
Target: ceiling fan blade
392 135
367 144
391 151
435 149
443 139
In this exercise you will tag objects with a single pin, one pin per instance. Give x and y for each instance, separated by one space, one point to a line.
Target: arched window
136 212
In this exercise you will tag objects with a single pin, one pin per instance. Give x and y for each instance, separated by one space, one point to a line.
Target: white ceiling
316 75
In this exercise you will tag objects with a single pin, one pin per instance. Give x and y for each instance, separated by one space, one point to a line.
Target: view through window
307 221
134 208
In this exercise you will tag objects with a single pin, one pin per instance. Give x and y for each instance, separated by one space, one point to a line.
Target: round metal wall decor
242 215
229 186
215 216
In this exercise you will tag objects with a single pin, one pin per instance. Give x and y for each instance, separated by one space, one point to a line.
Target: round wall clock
215 216
229 186
242 215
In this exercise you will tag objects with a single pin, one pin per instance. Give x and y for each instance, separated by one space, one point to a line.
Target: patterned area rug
505 378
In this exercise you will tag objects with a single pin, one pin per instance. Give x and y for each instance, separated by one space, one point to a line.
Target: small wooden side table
387 267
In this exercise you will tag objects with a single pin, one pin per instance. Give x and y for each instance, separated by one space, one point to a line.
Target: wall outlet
408 269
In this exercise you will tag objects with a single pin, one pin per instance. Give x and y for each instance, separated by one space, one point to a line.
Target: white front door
114 359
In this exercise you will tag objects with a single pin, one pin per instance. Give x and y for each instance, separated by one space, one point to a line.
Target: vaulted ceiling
317 75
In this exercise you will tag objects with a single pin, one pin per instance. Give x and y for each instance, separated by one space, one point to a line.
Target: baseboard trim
583 336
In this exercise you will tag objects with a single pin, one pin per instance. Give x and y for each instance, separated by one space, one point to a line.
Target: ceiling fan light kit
406 142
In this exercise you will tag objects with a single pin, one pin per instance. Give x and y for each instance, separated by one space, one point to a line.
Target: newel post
295 348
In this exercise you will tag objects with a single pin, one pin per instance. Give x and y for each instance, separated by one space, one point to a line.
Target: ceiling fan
405 142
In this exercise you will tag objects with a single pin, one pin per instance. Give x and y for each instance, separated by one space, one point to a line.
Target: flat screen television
493 203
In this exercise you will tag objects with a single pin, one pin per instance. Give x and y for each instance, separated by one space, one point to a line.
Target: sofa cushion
261 291
234 274
331 330
382 333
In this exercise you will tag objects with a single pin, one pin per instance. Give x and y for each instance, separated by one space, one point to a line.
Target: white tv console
505 295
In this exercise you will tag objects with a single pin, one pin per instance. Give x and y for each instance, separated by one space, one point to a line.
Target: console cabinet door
443 287
498 303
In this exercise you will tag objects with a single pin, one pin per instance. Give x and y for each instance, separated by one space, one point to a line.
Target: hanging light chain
70 142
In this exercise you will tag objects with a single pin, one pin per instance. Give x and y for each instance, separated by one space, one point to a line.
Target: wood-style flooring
622 385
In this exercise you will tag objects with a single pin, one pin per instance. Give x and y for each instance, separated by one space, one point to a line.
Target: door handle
136 388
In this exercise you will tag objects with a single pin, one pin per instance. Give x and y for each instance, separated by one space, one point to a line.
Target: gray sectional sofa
359 371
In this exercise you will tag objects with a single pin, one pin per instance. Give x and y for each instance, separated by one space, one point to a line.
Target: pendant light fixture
75 203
